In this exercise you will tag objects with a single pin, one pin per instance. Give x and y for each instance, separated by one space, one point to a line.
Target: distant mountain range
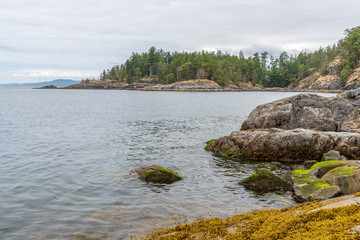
57 83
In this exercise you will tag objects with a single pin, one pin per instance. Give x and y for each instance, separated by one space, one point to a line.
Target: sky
42 40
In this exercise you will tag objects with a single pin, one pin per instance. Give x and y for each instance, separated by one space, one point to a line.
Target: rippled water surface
65 156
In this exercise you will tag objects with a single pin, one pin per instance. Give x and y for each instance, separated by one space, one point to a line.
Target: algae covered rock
345 177
333 155
265 181
326 179
157 174
311 188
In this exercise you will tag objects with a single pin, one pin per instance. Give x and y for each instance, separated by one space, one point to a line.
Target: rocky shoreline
322 134
197 85
303 128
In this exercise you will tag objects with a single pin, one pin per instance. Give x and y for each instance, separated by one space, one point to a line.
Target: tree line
164 67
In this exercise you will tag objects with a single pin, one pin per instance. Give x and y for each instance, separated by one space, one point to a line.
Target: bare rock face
308 111
295 145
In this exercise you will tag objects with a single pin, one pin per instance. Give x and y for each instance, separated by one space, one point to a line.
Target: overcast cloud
44 40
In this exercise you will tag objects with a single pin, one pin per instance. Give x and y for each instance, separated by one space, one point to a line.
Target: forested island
328 68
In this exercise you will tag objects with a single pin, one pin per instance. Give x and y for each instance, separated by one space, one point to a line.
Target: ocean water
65 157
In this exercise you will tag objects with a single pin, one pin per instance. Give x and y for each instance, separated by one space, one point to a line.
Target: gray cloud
85 36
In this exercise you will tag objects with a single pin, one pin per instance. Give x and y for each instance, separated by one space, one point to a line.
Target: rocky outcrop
306 111
200 84
49 87
304 128
295 145
156 174
353 80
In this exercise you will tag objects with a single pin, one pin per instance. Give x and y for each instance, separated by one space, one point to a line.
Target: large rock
310 189
308 111
346 177
295 145
326 179
309 186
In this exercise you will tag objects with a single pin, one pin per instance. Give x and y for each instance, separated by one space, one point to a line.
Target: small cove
65 156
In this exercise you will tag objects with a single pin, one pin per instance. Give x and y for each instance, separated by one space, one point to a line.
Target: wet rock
333 155
309 163
295 145
156 174
265 181
308 111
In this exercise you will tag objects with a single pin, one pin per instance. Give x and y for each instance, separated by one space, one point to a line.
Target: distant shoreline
195 85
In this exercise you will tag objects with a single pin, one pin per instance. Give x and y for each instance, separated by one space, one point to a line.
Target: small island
333 68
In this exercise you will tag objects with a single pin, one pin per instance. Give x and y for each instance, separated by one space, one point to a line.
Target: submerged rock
308 111
265 181
156 174
295 145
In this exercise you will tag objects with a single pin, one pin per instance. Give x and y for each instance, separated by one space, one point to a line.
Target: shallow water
65 156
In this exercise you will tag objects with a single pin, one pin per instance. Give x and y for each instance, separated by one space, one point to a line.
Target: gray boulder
295 145
308 111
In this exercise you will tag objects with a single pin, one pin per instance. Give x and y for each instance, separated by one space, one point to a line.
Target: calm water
65 156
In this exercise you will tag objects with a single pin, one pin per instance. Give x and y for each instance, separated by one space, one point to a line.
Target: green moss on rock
343 171
313 186
328 165
157 174
265 181
208 144
300 171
